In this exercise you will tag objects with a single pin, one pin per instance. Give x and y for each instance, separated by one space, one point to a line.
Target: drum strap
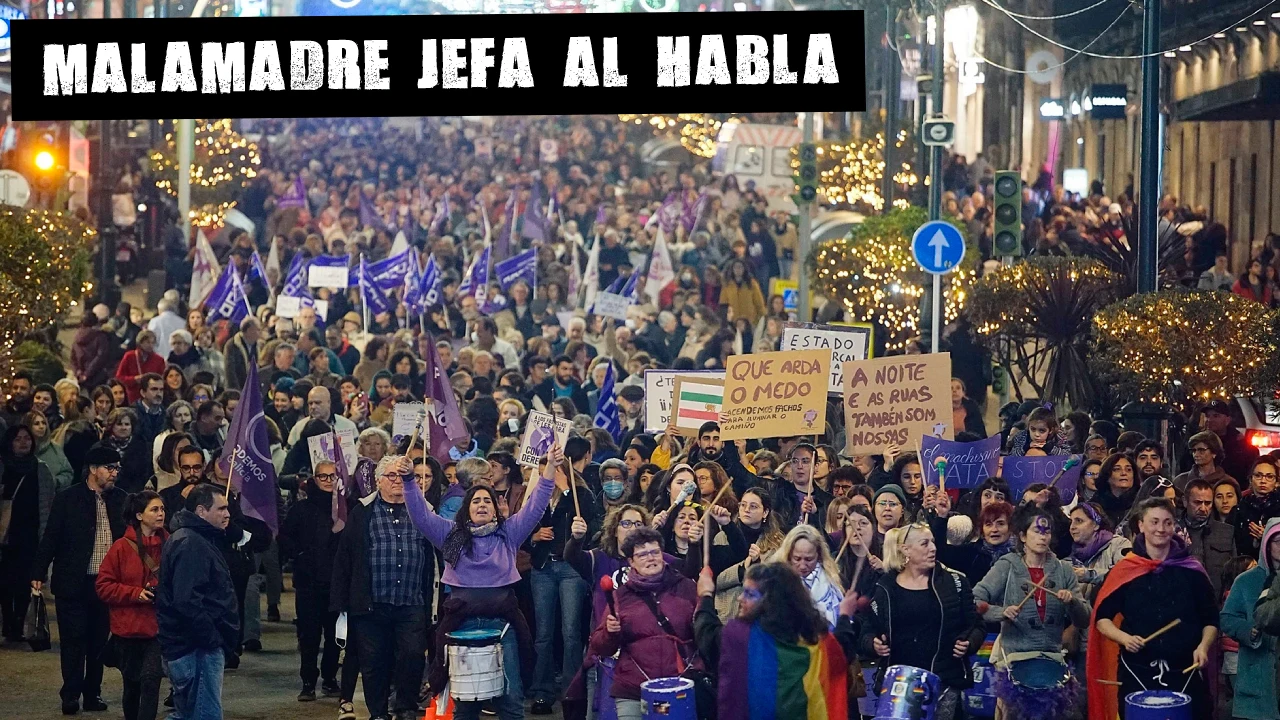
665 624
1137 677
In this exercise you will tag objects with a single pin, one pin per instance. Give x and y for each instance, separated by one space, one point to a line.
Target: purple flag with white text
246 456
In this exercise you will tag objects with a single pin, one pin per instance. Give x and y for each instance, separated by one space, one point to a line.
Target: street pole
892 95
108 292
939 72
186 147
805 230
1152 149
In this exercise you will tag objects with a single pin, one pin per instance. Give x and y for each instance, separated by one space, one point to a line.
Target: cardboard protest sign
327 277
320 448
539 431
777 394
288 307
611 305
695 401
847 343
968 464
897 401
659 394
407 416
1021 472
347 437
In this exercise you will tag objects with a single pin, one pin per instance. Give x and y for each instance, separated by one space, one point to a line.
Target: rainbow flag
763 679
984 652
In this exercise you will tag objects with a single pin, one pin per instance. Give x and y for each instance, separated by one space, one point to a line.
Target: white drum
475 665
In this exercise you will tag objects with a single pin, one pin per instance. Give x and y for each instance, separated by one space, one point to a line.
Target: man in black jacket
801 500
85 520
309 539
196 604
561 383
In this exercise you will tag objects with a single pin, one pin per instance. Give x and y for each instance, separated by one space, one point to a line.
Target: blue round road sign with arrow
938 246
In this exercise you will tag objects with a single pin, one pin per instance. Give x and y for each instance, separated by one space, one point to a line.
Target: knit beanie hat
891 489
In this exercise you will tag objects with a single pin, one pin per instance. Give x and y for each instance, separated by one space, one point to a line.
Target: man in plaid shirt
382 566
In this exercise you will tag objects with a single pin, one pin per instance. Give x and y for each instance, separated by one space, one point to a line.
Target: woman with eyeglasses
889 506
1206 453
308 539
480 548
1034 597
922 614
907 474
757 525
1258 504
1089 472
650 624
858 552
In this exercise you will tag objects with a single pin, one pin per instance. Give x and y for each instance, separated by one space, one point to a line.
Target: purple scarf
1179 555
1087 552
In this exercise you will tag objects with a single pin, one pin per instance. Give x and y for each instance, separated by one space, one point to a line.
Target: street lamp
44 160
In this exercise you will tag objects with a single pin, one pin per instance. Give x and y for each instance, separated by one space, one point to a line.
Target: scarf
825 595
995 552
116 443
459 539
1085 553
651 583
1103 654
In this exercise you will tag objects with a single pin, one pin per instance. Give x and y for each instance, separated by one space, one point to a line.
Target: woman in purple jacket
649 625
479 550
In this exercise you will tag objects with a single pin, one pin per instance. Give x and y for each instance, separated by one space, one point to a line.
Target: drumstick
1100 681
573 486
720 494
1031 594
1172 624
857 571
1195 666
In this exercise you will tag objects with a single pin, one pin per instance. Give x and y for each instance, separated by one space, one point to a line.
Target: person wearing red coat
655 640
139 362
126 584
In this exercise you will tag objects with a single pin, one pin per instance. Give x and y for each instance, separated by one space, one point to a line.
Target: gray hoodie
1009 582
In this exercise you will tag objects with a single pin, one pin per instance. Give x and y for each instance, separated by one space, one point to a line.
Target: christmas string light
1187 348
222 162
873 274
850 171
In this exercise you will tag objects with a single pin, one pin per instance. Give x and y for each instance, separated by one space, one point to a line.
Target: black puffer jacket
1254 508
308 539
960 621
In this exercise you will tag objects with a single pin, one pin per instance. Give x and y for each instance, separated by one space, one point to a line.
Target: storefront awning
1257 98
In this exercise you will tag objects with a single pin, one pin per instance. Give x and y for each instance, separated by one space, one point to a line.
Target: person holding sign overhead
479 549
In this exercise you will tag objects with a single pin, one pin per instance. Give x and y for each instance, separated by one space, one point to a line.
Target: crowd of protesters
712 549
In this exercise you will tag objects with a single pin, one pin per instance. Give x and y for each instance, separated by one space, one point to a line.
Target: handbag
6 513
704 686
37 630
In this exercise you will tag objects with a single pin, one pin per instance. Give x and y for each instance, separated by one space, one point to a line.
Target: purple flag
246 456
518 267
535 220
669 214
442 216
445 418
502 244
693 211
476 281
338 511
370 294
368 215
296 197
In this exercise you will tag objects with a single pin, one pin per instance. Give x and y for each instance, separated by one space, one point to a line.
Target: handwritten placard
659 392
968 464
896 401
406 416
320 448
611 305
777 394
847 343
1022 472
327 277
347 438
288 307
539 431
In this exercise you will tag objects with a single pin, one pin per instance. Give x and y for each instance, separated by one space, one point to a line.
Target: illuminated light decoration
873 275
1187 348
1052 109
1035 318
222 163
696 131
849 172
44 160
45 268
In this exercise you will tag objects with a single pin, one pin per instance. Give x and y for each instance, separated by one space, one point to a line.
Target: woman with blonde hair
922 614
836 512
805 550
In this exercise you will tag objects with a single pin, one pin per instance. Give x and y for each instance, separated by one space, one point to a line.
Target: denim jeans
511 705
197 685
556 586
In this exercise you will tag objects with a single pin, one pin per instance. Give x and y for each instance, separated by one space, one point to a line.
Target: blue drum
908 693
1157 705
605 707
867 703
670 698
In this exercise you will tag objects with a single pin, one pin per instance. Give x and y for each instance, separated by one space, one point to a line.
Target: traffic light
1008 214
999 384
807 174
